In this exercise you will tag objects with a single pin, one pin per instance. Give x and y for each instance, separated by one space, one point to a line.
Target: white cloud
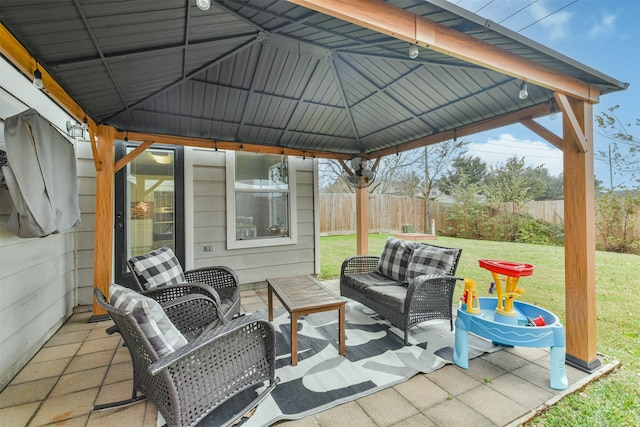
535 153
556 24
606 26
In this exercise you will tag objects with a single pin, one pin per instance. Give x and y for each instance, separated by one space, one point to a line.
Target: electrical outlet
208 248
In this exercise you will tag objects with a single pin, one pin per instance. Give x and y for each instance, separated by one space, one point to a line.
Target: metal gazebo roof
273 73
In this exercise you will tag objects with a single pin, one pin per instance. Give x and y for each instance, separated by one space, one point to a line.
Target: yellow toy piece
505 300
471 296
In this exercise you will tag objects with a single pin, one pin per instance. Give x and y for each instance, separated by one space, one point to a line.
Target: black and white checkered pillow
430 260
164 337
159 267
395 258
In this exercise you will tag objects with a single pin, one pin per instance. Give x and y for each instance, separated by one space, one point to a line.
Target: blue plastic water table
487 325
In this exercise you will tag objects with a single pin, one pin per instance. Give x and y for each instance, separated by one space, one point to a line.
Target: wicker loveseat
409 283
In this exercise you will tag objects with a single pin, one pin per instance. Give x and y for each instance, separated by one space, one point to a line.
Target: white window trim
232 243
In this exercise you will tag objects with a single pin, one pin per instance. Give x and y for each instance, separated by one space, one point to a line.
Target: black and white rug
376 359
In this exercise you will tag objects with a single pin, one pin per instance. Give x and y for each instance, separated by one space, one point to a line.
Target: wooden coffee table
302 295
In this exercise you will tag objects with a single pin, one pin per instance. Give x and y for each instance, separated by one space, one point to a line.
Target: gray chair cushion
159 267
430 260
164 337
395 258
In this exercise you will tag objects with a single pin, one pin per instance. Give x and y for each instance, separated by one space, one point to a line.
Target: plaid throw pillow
159 267
430 260
395 258
164 337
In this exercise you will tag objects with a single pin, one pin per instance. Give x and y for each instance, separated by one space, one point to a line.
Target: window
260 200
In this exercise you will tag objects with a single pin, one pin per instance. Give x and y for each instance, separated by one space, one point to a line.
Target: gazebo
316 78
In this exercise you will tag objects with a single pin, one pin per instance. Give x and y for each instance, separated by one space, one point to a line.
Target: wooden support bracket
575 128
543 132
132 155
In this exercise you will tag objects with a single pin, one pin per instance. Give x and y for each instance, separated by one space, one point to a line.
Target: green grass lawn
611 401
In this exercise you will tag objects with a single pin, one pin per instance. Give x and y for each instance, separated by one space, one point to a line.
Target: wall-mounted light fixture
203 4
74 130
37 78
524 93
413 51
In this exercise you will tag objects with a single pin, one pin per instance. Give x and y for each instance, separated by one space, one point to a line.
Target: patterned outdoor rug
376 359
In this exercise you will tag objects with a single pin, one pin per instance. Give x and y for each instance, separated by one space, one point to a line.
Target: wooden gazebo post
579 232
362 220
103 235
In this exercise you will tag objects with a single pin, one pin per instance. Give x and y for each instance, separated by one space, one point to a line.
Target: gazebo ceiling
273 73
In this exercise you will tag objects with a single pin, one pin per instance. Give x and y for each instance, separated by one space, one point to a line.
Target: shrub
617 221
533 231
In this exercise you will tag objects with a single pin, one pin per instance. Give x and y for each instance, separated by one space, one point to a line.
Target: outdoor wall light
85 123
523 91
74 130
203 4
413 51
37 78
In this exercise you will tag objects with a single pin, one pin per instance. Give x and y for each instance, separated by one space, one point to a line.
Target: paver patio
81 366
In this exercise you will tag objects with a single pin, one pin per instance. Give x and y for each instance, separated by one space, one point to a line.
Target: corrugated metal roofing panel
271 72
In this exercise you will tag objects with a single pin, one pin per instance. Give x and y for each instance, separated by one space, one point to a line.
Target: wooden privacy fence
388 213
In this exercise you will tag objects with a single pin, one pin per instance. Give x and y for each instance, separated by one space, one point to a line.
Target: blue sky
602 34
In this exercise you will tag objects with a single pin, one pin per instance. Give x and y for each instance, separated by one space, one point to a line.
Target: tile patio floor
81 366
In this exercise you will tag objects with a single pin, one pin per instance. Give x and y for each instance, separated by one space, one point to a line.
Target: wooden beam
543 132
132 155
227 145
15 53
362 221
580 246
393 21
493 123
574 125
103 234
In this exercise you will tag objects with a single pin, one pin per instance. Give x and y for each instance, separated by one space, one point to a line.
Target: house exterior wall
253 265
37 275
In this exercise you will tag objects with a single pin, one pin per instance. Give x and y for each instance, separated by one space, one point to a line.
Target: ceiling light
37 78
413 51
553 114
85 123
161 158
203 4
523 91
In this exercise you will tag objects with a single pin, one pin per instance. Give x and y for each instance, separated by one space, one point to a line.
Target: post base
589 367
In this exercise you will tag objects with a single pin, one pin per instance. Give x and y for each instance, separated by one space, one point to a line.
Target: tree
469 167
544 186
510 182
623 151
437 159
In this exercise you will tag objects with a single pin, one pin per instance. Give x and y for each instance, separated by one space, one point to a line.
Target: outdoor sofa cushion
159 267
430 260
395 258
164 337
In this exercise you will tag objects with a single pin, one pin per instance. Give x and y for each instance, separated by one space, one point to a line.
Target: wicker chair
217 377
405 305
219 283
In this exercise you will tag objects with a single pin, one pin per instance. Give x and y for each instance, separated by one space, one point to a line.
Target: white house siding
253 265
85 233
37 275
